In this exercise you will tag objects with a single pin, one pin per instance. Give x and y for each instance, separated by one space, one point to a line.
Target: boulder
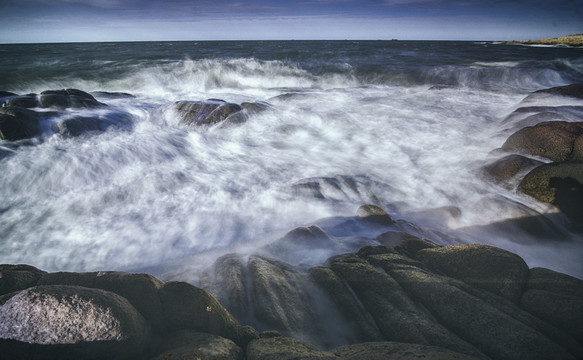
509 166
77 126
553 140
490 268
558 283
18 123
70 322
537 182
18 277
374 214
497 334
207 112
280 299
397 351
394 312
189 345
285 348
568 197
24 101
226 280
302 244
573 90
186 307
68 98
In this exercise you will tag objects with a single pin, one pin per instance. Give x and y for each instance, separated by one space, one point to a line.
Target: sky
26 21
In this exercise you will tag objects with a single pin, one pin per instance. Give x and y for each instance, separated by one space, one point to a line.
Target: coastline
569 40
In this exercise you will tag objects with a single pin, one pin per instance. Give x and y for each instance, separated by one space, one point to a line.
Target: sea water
407 123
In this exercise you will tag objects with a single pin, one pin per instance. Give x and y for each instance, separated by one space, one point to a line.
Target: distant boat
394 39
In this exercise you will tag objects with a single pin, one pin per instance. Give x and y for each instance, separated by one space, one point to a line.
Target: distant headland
570 40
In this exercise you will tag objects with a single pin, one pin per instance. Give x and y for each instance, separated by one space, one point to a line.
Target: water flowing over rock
18 123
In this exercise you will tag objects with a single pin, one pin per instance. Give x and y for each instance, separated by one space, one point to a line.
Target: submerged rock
573 90
509 166
204 112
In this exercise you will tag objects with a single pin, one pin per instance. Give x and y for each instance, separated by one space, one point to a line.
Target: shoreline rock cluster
569 40
545 155
414 299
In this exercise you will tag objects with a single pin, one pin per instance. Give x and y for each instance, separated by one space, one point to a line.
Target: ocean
405 125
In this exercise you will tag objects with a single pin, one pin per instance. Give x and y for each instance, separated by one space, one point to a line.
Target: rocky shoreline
416 299
569 40
398 296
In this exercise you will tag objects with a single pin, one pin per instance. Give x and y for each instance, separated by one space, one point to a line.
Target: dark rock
69 98
204 112
18 123
191 308
285 348
490 268
354 315
188 345
280 299
302 244
70 322
558 283
411 245
338 188
494 332
7 94
69 278
77 126
537 182
226 280
394 312
568 197
18 277
112 95
374 214
553 140
256 107
563 311
573 90
509 166
397 351
24 101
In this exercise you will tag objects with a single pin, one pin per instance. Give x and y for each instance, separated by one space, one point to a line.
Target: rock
509 166
374 214
303 244
77 126
18 123
226 280
186 307
355 317
204 112
337 188
394 312
185 345
558 283
24 101
397 351
69 278
568 197
112 95
487 267
18 277
492 331
411 245
285 348
573 90
537 182
553 140
70 322
69 98
280 299
563 311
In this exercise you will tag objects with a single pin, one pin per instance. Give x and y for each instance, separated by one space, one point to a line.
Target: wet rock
568 197
487 267
573 90
411 245
204 112
18 123
280 299
18 277
112 95
553 140
77 126
24 101
374 214
338 188
397 351
226 280
68 98
509 166
354 315
537 182
189 345
302 244
70 322
394 312
188 307
495 333
285 348
559 283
